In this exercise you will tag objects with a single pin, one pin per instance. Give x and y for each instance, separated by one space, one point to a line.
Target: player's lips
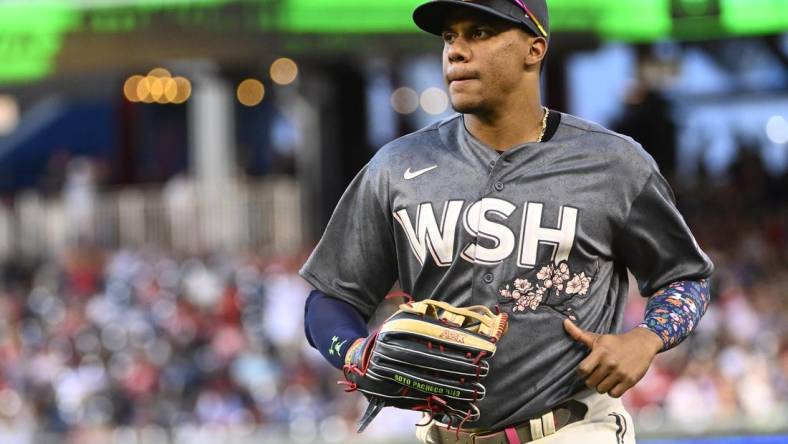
461 77
461 84
461 81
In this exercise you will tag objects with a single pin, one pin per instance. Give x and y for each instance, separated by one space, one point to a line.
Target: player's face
483 61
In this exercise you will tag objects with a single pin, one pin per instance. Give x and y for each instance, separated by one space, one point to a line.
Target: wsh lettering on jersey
491 219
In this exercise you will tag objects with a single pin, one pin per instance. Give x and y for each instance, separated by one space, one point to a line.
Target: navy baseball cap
532 14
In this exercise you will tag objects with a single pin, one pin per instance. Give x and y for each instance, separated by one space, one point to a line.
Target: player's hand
616 362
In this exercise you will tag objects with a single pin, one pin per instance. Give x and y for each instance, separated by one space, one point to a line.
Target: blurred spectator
79 198
180 202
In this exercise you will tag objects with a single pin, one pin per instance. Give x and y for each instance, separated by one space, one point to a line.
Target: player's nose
458 51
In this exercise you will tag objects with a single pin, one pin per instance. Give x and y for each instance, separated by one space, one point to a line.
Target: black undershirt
553 120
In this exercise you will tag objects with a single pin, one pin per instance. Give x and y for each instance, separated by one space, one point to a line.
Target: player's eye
448 37
480 33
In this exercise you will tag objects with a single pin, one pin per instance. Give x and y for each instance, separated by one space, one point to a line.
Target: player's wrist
353 350
651 338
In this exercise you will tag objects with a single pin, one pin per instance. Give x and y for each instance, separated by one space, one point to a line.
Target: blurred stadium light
284 71
9 114
250 92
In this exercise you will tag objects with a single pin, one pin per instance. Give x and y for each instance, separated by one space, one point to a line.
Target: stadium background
166 166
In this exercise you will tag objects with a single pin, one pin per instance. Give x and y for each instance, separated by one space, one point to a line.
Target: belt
538 427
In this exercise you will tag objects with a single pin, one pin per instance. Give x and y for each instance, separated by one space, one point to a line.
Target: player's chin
465 104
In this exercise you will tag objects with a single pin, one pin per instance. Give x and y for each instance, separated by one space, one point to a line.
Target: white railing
261 215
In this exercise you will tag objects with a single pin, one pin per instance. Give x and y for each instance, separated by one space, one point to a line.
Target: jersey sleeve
655 242
355 259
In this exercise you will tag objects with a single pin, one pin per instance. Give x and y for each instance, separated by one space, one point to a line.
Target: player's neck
504 130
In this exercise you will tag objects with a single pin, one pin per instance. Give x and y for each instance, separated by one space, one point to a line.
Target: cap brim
431 17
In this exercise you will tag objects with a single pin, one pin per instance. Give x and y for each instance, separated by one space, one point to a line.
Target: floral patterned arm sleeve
674 311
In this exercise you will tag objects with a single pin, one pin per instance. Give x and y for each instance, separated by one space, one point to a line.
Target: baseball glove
429 356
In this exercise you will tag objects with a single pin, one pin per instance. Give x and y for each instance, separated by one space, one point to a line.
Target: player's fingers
598 375
619 389
608 383
588 365
580 335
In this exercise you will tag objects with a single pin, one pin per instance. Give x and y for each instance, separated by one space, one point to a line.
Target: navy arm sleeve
332 325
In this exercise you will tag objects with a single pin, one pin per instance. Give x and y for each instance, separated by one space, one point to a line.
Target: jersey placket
486 275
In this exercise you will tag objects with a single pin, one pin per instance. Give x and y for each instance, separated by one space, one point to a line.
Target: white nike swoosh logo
412 175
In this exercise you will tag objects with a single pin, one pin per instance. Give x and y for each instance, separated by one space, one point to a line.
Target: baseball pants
606 422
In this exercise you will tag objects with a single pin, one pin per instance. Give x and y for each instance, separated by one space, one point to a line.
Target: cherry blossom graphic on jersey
553 287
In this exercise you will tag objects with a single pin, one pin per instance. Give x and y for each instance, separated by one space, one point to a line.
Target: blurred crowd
138 338
98 345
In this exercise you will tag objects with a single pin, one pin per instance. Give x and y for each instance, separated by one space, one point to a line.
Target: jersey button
498 186
488 278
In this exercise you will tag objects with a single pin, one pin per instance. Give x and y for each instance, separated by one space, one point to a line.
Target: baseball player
529 210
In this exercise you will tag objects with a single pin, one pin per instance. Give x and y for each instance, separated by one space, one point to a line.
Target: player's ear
537 49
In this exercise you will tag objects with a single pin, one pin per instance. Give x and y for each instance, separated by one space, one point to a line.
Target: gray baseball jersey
546 231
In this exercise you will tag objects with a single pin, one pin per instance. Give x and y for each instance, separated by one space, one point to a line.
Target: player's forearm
331 326
673 312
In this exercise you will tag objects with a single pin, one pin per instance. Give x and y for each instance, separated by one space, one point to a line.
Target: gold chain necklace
544 125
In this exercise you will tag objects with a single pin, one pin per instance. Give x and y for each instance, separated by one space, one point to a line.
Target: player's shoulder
421 143
429 135
599 141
